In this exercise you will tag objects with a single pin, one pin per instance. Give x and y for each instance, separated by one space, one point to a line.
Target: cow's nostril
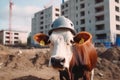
52 60
63 60
57 62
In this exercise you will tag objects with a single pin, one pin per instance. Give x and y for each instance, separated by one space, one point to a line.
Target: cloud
21 17
25 11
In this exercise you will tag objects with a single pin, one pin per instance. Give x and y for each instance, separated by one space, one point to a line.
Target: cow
73 55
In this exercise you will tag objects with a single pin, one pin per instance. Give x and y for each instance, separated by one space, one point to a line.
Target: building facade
99 17
15 38
42 20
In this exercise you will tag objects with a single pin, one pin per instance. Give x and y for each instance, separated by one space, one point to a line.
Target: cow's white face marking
61 46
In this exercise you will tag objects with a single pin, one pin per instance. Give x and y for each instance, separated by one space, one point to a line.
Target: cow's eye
71 41
49 41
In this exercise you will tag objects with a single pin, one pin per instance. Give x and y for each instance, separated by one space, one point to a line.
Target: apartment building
13 37
42 20
99 17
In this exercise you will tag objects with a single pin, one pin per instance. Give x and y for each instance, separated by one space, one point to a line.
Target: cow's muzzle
57 62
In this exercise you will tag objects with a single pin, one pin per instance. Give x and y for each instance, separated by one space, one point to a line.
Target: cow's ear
82 37
41 38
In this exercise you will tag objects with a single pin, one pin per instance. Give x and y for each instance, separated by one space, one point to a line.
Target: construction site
32 64
21 58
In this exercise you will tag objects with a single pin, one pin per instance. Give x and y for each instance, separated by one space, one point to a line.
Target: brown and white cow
73 55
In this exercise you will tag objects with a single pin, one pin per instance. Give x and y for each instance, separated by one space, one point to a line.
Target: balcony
98 1
99 18
99 9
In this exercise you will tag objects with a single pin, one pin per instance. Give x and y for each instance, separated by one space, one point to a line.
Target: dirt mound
107 70
30 77
32 64
100 50
2 48
111 54
40 60
108 66
15 61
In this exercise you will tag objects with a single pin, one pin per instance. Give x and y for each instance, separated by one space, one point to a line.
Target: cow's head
61 46
61 41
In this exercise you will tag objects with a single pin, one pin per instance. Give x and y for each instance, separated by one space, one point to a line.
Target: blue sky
22 13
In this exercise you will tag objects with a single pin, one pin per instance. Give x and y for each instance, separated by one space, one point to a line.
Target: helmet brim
61 28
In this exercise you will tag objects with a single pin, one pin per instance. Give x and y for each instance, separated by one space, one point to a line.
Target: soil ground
32 64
